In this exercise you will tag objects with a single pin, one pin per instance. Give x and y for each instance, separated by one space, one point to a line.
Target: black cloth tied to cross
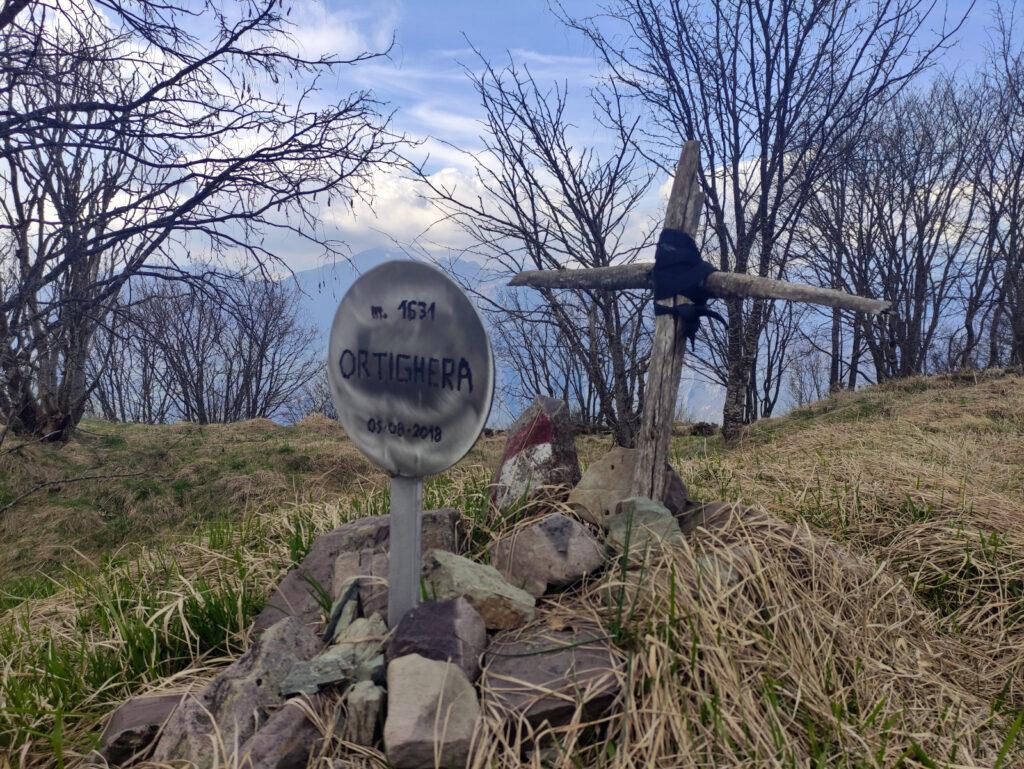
679 270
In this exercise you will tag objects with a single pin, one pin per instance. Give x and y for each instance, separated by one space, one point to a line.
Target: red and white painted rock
540 455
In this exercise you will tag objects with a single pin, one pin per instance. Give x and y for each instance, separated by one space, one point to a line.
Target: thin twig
43 484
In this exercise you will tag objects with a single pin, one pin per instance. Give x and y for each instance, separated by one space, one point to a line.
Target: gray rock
501 605
284 742
433 714
356 654
540 455
131 728
677 499
546 675
297 595
440 528
365 555
239 700
551 554
641 524
449 631
344 611
372 669
719 569
369 570
609 480
364 638
364 709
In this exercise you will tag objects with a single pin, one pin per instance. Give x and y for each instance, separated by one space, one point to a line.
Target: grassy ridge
115 486
901 645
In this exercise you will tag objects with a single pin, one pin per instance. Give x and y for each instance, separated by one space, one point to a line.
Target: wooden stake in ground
682 213
670 331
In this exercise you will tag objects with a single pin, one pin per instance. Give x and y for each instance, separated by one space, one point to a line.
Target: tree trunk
855 346
835 361
736 375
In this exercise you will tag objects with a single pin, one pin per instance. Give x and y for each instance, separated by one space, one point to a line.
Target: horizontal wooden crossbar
719 284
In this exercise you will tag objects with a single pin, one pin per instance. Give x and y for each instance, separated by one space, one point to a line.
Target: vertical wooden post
669 346
404 558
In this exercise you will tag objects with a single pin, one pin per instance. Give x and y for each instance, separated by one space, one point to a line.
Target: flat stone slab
132 727
433 714
284 742
369 570
347 606
501 605
449 631
551 554
609 479
239 700
642 524
364 710
357 654
545 675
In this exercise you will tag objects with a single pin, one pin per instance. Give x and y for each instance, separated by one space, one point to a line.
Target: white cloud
444 123
396 77
319 31
553 60
438 154
400 214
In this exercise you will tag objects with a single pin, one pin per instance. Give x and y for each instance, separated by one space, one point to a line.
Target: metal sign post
404 564
412 377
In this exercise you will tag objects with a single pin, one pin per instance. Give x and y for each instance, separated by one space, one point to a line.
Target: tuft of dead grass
933 490
765 645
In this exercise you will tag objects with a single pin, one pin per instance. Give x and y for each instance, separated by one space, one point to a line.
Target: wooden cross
682 213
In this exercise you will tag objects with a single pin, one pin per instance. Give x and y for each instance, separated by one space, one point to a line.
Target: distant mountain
323 287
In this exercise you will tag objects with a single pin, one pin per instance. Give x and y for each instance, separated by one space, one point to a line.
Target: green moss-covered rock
639 524
501 605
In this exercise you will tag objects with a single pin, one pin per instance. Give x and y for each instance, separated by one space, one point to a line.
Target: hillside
136 556
118 485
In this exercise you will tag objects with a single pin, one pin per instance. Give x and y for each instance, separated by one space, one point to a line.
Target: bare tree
128 372
807 376
547 203
268 352
770 90
234 349
898 221
1002 191
313 398
539 358
128 147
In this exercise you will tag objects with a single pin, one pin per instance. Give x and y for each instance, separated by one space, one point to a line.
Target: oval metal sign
411 368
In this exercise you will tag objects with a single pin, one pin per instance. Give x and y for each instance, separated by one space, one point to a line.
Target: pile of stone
418 690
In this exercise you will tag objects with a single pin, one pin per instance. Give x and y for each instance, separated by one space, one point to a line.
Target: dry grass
868 614
765 645
120 488
926 477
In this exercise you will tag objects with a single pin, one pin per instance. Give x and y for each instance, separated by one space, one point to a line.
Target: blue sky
424 82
